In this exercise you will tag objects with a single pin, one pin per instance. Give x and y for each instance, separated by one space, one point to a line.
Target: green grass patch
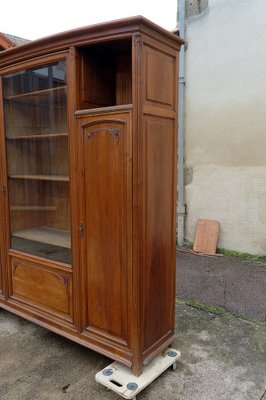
187 244
221 311
246 256
233 253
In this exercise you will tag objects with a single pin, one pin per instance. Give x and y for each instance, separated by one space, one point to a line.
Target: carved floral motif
114 131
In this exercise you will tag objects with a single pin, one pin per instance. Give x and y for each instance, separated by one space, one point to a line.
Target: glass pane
37 158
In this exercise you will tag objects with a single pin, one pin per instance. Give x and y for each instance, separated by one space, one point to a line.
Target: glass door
37 161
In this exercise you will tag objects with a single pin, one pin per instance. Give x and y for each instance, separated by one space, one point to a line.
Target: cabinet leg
137 369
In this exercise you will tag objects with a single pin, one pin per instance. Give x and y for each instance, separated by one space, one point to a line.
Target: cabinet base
120 379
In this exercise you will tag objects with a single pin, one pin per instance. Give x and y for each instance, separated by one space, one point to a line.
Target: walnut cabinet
88 186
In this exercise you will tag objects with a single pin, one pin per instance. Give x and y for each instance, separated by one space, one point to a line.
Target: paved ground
233 283
223 358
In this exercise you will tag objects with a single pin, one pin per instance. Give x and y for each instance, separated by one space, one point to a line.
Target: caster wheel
174 366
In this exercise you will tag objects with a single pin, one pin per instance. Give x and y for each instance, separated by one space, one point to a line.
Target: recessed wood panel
106 160
159 275
105 75
49 288
159 77
123 80
97 83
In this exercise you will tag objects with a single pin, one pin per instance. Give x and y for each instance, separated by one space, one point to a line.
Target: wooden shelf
45 234
39 94
102 110
57 178
32 208
39 136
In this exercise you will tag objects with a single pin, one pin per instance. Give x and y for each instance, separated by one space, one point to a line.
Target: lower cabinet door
45 289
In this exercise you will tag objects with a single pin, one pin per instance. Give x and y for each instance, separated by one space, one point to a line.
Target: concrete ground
234 283
223 358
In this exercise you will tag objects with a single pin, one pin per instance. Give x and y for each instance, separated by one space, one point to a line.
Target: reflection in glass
37 158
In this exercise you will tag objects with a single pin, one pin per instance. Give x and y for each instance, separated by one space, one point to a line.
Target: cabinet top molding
121 28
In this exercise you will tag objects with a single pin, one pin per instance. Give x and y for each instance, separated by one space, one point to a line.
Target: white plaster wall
225 122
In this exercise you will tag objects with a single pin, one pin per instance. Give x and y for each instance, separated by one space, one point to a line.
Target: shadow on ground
223 358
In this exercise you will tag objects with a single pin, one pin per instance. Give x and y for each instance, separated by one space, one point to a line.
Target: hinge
4 190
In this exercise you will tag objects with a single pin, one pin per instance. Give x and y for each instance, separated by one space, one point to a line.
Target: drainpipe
181 207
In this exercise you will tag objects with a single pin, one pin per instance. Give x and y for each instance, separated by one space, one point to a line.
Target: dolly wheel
174 366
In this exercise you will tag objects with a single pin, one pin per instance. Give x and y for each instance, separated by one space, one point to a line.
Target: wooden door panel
45 288
107 164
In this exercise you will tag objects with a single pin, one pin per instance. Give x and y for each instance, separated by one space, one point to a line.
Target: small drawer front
42 286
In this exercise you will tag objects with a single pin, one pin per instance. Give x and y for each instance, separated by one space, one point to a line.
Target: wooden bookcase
88 179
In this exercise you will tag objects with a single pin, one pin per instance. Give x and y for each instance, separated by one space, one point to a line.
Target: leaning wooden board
206 236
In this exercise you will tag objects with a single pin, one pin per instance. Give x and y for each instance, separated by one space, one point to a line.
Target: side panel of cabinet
158 154
106 142
159 221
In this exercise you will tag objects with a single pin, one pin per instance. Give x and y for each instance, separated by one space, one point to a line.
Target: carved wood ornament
115 132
